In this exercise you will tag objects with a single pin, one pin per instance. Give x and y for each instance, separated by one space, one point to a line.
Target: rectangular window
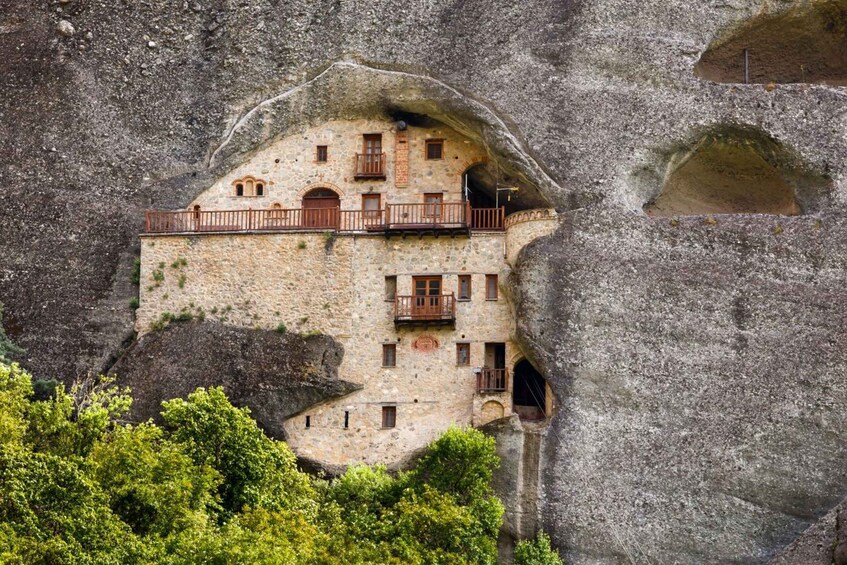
433 201
464 287
434 149
371 204
463 354
346 419
491 287
389 355
390 288
389 416
322 154
308 421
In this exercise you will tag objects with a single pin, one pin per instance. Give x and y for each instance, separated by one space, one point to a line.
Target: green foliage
461 463
133 303
7 348
256 470
158 275
181 280
44 389
537 552
281 328
135 275
301 244
79 486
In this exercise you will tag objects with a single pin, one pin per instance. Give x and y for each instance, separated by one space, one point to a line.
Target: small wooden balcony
370 166
490 380
433 310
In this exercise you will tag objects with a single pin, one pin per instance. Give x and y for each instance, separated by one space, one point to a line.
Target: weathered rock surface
825 543
699 369
275 375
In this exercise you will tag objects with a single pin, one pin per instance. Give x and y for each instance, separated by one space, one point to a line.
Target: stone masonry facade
344 285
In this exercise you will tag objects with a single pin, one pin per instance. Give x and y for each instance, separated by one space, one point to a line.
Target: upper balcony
491 380
370 166
419 219
425 310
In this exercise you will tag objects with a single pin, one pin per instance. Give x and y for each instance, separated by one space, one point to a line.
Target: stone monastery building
372 232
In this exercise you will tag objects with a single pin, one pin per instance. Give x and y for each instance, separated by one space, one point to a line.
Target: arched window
249 186
239 189
260 189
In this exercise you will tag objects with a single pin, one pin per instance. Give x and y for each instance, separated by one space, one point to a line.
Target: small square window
389 355
322 154
464 287
463 354
390 288
389 416
434 149
491 289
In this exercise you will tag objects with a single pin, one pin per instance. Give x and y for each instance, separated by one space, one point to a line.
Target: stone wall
289 168
312 283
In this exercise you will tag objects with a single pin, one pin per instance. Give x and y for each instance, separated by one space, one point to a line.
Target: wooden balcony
491 380
435 310
370 166
420 219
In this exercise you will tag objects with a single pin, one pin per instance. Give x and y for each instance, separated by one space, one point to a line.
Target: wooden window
433 201
463 354
371 204
322 154
308 421
372 143
389 416
389 355
390 288
491 288
464 287
434 149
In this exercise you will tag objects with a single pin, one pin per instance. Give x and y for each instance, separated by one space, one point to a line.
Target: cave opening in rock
529 392
487 187
737 171
804 44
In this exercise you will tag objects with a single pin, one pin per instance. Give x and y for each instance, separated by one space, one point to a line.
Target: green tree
15 390
151 483
537 552
256 470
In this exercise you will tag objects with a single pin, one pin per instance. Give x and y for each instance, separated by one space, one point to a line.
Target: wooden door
371 209
373 154
321 209
428 301
433 204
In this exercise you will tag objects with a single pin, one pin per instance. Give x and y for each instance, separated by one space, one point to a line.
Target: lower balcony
490 380
433 310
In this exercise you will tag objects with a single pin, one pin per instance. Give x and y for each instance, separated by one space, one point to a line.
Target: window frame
488 288
431 143
459 296
389 416
433 209
318 149
466 347
394 296
386 347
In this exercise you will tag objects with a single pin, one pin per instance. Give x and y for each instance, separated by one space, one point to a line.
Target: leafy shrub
281 328
537 552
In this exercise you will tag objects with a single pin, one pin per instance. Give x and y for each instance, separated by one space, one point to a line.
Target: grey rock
66 28
275 375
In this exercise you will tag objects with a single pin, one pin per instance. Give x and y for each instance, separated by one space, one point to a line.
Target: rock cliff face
275 375
699 367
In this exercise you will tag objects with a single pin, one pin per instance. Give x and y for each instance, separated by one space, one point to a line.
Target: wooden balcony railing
370 165
491 380
440 215
488 219
394 218
438 309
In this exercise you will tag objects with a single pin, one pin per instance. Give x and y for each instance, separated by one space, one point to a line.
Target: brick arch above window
302 192
249 186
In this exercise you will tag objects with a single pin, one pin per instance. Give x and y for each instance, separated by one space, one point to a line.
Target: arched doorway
529 392
321 208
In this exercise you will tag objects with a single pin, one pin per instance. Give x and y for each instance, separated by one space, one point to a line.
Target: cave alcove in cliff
735 170
804 44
